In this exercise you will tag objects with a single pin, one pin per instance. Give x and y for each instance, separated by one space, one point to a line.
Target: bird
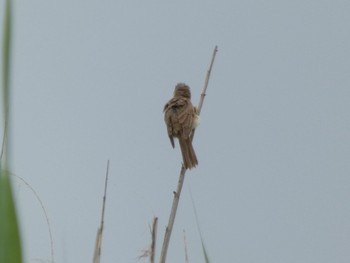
181 119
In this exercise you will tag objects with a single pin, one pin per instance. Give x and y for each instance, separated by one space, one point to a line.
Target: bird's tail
188 155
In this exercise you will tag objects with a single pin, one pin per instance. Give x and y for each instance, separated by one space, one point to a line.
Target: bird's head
182 90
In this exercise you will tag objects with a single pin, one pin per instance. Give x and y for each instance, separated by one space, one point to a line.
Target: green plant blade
205 254
206 258
10 248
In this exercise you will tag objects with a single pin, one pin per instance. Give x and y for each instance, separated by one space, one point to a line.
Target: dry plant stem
185 244
154 236
97 252
177 194
169 228
199 108
203 94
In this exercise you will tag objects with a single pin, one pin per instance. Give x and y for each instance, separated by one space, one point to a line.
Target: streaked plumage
181 118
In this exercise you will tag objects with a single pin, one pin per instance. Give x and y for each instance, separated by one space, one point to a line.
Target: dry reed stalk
185 245
154 237
98 243
177 194
151 251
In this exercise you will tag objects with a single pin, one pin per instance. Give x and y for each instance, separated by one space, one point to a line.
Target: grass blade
10 248
205 254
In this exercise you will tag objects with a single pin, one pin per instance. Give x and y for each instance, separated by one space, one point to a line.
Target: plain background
90 79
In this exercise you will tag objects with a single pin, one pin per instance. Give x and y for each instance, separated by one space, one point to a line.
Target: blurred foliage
10 248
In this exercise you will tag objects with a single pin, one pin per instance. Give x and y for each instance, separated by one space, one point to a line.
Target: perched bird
181 118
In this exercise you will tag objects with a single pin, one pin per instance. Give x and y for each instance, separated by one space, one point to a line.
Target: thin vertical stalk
6 54
98 244
10 243
177 193
154 238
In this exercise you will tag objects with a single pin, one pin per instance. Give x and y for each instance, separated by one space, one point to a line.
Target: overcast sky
90 79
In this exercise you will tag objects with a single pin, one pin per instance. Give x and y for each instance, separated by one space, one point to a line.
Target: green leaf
10 248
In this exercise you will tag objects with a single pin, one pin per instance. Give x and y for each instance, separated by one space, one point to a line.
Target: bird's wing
168 118
186 118
179 117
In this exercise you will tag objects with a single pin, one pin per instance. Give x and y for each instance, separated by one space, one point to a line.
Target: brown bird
181 118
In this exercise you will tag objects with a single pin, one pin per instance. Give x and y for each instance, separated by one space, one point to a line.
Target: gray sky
90 79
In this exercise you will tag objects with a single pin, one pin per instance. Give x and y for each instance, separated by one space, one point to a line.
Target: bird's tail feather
188 154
